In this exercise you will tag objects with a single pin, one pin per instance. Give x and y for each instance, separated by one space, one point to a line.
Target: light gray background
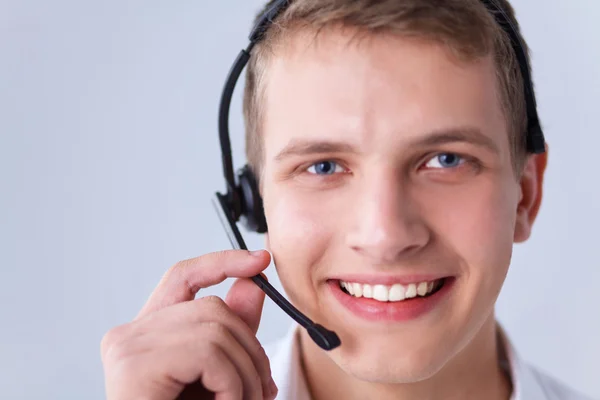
108 159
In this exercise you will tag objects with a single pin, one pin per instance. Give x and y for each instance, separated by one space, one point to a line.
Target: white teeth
397 292
367 291
358 289
350 288
411 291
380 293
384 293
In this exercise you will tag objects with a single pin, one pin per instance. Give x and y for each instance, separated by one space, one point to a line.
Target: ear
531 185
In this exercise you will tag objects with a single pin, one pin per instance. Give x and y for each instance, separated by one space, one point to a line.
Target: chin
389 363
387 371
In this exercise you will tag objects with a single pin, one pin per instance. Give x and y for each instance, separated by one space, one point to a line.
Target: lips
391 301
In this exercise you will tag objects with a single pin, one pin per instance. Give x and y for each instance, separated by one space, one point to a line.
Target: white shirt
528 383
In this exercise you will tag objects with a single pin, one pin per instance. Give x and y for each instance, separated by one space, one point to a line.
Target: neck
474 373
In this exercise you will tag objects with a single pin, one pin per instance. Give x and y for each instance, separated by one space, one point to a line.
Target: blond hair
465 27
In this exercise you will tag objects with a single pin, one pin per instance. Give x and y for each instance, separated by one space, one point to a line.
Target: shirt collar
288 374
286 367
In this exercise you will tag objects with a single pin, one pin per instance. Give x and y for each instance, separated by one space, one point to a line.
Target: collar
528 384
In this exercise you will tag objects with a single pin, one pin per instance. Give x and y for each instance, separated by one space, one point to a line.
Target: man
388 138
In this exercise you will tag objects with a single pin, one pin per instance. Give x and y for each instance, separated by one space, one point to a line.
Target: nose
387 225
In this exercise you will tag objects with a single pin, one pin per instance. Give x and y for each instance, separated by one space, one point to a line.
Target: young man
388 139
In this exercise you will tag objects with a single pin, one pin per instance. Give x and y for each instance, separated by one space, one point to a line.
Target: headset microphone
243 201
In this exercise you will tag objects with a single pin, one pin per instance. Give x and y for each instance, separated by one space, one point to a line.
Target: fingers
207 353
179 346
184 279
224 380
243 332
185 318
246 300
253 386
212 309
217 352
197 370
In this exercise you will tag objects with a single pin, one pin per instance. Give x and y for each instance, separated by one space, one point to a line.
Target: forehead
378 91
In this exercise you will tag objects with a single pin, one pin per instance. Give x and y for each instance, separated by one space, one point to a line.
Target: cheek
478 224
299 235
295 221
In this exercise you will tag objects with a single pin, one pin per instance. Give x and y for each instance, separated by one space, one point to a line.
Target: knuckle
208 308
174 270
124 369
122 351
265 357
106 342
213 300
211 352
179 267
112 338
217 331
214 305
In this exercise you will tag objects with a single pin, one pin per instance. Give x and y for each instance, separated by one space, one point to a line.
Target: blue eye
444 161
325 168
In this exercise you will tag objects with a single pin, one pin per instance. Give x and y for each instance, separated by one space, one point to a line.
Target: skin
386 107
388 209
179 347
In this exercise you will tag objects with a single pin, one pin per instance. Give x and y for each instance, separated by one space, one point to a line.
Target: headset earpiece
252 212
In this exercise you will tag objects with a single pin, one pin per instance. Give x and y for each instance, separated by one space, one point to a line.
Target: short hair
465 27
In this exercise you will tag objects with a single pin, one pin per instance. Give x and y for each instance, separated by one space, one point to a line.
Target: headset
242 201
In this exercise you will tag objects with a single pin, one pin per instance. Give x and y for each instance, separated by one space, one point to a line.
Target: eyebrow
469 135
300 147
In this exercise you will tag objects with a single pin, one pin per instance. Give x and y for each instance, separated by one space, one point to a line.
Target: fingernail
256 253
273 388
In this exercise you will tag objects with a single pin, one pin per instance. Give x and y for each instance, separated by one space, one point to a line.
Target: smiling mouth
392 293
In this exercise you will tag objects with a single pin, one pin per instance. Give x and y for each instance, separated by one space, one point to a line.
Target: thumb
246 300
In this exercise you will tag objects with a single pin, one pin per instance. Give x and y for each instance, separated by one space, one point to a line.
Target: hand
206 348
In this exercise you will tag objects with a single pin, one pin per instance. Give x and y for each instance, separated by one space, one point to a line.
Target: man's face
387 162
